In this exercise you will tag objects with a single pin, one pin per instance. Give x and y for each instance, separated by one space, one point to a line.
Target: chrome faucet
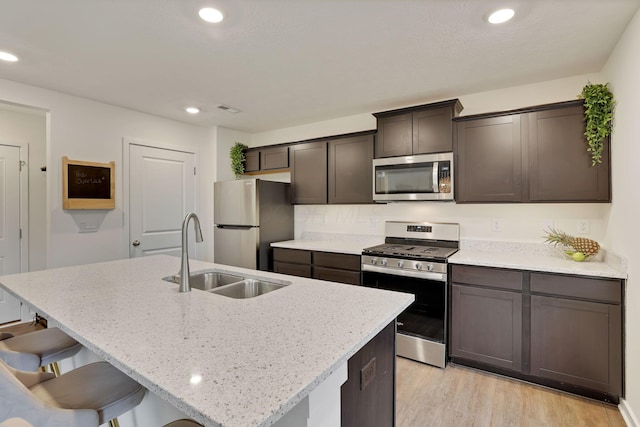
185 286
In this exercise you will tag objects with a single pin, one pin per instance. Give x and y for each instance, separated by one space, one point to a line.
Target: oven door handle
439 277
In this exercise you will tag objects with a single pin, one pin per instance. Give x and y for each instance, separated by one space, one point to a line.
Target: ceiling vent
228 109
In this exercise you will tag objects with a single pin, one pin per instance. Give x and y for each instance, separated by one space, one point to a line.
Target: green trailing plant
237 159
598 103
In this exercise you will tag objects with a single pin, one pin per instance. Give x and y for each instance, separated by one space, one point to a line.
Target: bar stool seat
15 422
183 423
32 350
85 397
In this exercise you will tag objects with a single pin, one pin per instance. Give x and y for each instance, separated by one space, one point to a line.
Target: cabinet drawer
605 290
296 256
333 275
300 270
333 260
487 277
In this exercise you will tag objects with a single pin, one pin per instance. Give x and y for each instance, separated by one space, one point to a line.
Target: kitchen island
222 361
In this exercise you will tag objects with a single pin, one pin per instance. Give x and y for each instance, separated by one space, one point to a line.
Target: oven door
422 326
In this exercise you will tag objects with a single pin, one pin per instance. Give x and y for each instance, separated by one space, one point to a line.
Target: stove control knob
430 267
418 266
374 261
383 261
400 263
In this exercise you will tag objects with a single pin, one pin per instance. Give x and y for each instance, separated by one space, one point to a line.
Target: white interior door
9 226
161 193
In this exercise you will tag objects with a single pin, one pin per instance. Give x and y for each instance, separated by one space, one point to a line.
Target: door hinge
20 233
194 170
22 163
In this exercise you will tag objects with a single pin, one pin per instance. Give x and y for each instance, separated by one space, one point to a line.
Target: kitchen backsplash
500 222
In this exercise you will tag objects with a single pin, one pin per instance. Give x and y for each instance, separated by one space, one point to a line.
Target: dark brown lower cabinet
368 395
577 342
487 326
558 330
334 267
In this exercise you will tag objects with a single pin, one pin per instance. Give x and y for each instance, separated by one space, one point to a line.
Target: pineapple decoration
583 248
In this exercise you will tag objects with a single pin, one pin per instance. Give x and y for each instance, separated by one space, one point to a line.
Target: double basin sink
227 284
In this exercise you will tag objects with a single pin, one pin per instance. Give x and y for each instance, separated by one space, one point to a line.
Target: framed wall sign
88 185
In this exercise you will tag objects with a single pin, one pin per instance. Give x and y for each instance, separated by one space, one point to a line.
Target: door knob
136 243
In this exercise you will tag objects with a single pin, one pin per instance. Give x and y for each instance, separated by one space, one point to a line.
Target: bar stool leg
114 423
55 368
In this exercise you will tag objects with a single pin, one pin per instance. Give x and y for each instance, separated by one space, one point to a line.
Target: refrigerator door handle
236 227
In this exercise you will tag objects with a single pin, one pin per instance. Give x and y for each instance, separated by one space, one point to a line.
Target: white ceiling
289 62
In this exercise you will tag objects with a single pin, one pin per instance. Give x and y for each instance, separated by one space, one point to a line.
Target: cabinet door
309 173
486 326
489 164
350 170
274 158
433 131
394 137
559 165
577 342
252 161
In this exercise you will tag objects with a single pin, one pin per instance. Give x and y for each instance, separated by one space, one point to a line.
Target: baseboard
627 413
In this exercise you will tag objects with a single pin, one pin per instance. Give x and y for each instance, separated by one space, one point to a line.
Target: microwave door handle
435 180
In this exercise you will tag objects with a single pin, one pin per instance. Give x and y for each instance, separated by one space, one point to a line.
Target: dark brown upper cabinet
252 160
536 154
309 173
559 163
350 171
333 170
489 160
266 159
416 130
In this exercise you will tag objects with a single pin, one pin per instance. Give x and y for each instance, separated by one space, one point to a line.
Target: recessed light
195 379
500 16
6 56
210 14
192 110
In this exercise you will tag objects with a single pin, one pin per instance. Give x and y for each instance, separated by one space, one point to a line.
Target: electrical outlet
582 226
367 373
496 225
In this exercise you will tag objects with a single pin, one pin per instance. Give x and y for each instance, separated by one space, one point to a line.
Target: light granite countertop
505 254
336 246
536 257
535 263
257 358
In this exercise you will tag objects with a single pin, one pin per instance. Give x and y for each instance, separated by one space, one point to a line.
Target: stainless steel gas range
413 259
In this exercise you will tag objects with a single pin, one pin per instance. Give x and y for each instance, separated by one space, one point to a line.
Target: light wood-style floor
462 397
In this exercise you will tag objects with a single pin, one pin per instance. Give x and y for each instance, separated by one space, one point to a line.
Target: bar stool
28 352
182 423
85 397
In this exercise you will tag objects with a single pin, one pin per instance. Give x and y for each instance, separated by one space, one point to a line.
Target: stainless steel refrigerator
250 214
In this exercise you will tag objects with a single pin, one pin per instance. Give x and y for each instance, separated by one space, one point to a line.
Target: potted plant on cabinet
598 103
237 159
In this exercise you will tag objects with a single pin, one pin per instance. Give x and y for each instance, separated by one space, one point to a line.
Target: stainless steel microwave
420 177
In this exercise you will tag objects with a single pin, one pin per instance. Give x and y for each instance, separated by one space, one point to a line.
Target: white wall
86 130
31 127
622 234
524 222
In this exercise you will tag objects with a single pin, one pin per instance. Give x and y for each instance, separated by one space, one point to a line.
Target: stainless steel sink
247 288
207 280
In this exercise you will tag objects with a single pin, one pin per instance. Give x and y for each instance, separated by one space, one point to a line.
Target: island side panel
368 396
